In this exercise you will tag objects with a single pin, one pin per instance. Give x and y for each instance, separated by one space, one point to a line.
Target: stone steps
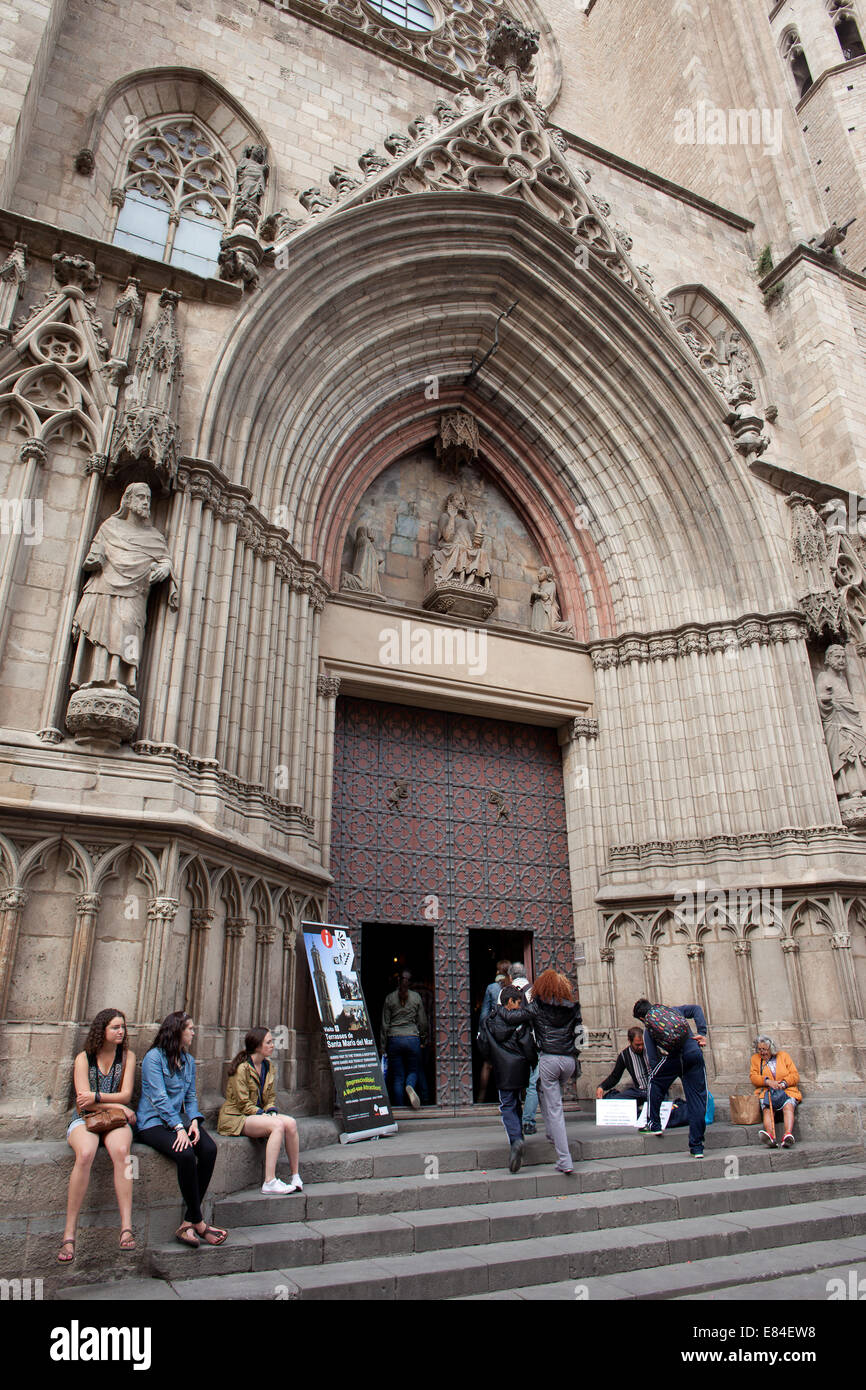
578 1257
339 1239
638 1218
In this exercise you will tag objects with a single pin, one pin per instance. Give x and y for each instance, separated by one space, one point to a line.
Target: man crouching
505 1039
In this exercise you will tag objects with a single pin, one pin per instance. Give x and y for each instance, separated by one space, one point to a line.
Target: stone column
12 904
33 454
651 972
236 930
608 955
328 688
200 923
695 953
161 912
287 980
87 907
746 976
265 937
841 944
794 972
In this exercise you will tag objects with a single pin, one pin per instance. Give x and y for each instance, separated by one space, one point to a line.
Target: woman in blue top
167 1093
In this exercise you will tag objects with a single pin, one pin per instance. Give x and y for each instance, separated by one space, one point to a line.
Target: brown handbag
104 1118
745 1110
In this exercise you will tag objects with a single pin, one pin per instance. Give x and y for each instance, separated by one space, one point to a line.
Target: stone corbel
240 256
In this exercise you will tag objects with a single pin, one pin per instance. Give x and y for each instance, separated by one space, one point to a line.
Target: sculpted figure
460 554
128 555
364 577
545 615
252 174
843 730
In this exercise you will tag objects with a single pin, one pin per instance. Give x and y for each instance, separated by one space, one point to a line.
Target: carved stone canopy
147 430
830 567
457 440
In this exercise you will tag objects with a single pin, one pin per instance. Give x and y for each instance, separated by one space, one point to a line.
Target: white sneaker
295 1185
413 1098
276 1187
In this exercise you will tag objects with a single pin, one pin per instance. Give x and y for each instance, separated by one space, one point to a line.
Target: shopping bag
745 1110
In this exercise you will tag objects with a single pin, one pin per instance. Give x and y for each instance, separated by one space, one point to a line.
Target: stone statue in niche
545 615
128 556
844 736
459 566
460 553
366 563
251 179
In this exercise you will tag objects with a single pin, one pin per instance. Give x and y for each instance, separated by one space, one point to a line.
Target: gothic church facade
431 438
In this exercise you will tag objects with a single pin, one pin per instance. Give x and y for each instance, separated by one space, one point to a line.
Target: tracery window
409 14
844 20
175 194
794 56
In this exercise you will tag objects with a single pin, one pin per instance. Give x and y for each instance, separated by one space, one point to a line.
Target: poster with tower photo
352 1052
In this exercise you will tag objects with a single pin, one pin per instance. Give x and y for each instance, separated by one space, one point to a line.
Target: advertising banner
352 1050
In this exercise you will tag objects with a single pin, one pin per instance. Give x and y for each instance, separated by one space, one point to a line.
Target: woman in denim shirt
167 1092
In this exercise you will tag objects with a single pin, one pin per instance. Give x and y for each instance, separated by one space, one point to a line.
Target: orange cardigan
785 1071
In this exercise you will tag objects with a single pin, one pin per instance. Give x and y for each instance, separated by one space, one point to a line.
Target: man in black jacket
505 1039
633 1060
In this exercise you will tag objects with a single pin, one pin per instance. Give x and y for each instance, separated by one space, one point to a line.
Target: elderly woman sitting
776 1081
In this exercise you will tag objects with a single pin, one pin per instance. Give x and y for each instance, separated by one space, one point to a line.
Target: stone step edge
714 1273
447 1182
324 1226
720 1226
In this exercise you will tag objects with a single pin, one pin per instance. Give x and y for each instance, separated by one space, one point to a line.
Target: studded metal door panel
450 814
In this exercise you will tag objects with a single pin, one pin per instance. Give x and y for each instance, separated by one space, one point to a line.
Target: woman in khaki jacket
776 1081
250 1108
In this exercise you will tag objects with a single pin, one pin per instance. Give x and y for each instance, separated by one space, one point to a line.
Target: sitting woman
167 1093
250 1108
776 1081
102 1075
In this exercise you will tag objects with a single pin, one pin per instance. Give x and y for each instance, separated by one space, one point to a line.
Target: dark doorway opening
387 949
485 949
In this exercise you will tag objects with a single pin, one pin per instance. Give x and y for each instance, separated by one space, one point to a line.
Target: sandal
129 1243
221 1235
186 1235
66 1259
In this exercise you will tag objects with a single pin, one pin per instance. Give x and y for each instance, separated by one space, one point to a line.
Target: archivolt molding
383 298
